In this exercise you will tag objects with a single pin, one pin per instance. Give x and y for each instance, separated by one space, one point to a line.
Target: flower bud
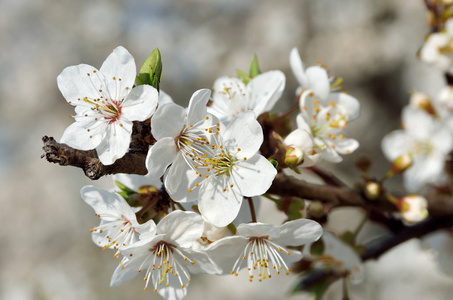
372 190
293 156
413 208
401 163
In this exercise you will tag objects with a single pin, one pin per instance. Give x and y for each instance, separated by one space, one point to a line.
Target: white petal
244 133
229 98
197 109
164 98
244 215
168 121
203 263
130 271
140 103
218 207
226 251
258 229
116 142
106 203
181 227
302 123
298 68
331 155
417 122
345 145
160 156
397 143
78 137
318 82
187 180
350 104
265 90
300 139
75 84
424 170
121 65
254 176
299 232
172 292
176 172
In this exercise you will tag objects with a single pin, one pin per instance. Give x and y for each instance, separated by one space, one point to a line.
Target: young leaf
151 70
254 67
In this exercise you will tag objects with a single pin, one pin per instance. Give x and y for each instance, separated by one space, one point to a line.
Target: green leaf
232 228
124 189
244 77
315 282
151 70
254 67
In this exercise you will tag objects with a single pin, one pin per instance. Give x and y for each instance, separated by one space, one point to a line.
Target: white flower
338 256
438 48
165 257
119 227
231 96
181 136
261 247
229 169
413 208
441 244
427 142
105 105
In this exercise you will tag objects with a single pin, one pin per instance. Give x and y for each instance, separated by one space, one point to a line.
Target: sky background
46 250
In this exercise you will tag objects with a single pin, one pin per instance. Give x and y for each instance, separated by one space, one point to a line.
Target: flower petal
75 84
168 121
226 251
140 103
116 142
298 68
244 133
264 91
397 143
349 103
258 230
160 156
253 176
228 98
181 227
218 207
77 136
345 145
318 81
298 232
119 65
196 111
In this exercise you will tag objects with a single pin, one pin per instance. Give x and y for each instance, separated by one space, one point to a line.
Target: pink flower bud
413 208
401 163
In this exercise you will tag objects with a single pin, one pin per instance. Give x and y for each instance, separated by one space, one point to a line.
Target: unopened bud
402 163
293 156
145 189
413 208
422 101
372 190
316 209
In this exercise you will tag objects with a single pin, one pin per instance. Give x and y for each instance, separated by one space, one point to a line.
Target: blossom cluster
208 163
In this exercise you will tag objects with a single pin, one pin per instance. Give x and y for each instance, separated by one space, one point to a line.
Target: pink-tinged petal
345 145
77 135
265 90
226 251
110 204
258 230
119 65
318 82
168 121
244 133
116 142
257 170
196 111
397 143
218 207
349 103
298 232
298 68
182 228
140 104
75 84
159 157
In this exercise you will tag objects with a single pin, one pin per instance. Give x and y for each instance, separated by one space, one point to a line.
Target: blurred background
46 250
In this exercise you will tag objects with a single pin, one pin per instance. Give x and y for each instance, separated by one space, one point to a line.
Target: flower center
163 265
262 256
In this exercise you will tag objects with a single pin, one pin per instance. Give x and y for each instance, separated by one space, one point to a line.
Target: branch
88 161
